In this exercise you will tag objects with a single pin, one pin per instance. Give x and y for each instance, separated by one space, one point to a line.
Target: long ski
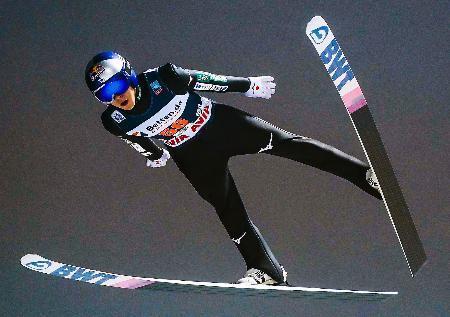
344 79
38 263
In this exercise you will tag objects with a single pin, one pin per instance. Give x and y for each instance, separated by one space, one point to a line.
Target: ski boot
257 277
372 180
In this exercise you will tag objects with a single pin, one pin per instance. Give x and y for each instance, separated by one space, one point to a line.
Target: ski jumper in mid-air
201 135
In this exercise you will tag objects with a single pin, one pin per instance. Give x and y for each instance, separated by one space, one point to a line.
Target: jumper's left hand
261 87
159 162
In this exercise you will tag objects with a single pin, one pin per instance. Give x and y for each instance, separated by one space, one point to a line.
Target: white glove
161 161
261 87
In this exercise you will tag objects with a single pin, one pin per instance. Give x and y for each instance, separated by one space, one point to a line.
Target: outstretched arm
181 80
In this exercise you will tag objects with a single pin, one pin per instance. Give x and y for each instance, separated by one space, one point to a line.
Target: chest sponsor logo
175 127
193 128
117 116
167 118
163 118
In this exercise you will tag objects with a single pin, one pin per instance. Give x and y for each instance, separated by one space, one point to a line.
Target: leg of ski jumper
211 178
326 158
273 140
247 134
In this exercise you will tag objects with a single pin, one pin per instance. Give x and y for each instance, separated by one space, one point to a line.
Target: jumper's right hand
261 87
162 161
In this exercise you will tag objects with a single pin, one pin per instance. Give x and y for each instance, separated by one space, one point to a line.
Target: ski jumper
202 135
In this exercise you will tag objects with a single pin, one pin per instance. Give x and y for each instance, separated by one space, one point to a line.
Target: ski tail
344 79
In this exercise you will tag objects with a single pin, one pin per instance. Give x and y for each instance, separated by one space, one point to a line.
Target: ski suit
202 135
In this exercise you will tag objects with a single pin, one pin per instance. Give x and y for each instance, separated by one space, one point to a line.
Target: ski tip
27 256
31 258
316 17
413 270
317 30
315 20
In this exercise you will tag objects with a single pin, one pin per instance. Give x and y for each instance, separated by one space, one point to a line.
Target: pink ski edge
132 283
354 100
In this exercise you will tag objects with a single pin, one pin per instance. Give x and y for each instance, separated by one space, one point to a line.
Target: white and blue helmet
109 74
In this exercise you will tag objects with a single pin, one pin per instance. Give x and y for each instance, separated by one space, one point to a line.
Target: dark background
72 192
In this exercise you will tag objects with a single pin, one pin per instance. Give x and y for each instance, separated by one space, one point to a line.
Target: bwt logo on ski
339 66
39 265
318 35
81 274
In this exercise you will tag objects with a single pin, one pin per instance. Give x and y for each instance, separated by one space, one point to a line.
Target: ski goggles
112 88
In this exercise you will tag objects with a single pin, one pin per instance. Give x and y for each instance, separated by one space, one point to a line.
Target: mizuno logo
269 146
238 241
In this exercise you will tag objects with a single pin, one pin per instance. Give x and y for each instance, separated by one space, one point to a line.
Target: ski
75 273
345 81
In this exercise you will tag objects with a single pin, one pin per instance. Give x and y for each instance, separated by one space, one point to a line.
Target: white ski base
38 263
